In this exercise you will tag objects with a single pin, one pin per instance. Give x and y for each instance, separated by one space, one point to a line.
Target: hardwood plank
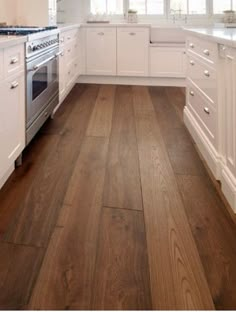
66 277
15 190
177 99
215 234
182 153
122 187
101 118
19 266
39 211
176 272
122 275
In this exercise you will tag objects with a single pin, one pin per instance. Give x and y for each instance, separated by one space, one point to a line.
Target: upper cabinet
132 51
101 51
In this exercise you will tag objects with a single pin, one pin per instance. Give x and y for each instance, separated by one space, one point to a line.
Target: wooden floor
114 209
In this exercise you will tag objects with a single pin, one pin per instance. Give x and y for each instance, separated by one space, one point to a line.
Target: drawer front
202 48
71 35
14 60
204 77
203 111
1 65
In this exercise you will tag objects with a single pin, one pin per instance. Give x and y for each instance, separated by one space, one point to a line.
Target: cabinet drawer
71 35
203 111
204 77
14 59
202 48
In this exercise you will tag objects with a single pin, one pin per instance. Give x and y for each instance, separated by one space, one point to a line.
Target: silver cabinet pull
191 93
61 53
229 57
132 34
191 45
206 52
206 110
14 60
68 38
14 85
192 63
206 73
101 34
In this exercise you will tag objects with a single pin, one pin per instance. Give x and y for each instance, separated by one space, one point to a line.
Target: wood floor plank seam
121 208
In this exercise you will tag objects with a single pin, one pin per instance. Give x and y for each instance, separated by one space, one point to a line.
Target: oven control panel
41 45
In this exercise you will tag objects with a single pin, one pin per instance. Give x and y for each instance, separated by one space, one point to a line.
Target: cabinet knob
192 63
14 85
132 34
191 45
206 110
101 34
191 93
14 60
206 52
206 73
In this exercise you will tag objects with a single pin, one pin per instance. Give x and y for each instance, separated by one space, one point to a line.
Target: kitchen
117 158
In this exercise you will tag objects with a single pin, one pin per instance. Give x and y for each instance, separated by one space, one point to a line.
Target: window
155 7
219 6
188 6
107 6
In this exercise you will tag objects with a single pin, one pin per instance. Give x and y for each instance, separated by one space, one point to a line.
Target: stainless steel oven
42 65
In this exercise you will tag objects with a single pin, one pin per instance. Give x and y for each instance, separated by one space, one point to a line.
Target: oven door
42 84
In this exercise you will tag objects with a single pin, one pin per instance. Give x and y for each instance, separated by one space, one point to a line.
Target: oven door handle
36 67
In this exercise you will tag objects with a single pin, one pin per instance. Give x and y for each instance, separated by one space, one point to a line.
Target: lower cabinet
133 51
12 121
168 62
101 51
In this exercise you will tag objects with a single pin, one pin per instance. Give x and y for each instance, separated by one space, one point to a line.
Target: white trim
140 81
4 179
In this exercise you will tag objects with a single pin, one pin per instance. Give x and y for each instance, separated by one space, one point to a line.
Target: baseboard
137 81
205 147
228 182
4 179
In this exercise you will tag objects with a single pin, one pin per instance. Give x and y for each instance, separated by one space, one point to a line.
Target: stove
24 30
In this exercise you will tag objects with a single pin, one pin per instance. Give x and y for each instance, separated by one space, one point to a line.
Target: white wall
8 11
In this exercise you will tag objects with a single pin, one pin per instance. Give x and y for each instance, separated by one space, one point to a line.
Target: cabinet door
132 51
12 121
168 62
101 51
230 107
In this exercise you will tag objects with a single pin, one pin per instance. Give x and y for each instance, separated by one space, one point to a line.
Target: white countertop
8 41
218 35
112 24
65 27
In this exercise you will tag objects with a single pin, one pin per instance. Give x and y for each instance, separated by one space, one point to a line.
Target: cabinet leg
19 161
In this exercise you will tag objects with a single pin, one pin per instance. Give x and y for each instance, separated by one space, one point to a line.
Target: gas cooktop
23 30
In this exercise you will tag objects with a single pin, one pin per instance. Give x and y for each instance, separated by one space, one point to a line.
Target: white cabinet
69 62
12 108
132 51
12 120
168 62
101 51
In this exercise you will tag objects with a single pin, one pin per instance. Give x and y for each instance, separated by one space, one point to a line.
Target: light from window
188 6
152 7
107 6
221 5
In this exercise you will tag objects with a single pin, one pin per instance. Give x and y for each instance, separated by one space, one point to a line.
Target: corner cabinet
133 51
101 51
12 112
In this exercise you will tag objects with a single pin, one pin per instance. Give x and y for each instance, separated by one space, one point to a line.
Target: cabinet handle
132 34
191 93
101 34
206 110
191 45
68 38
61 40
229 57
14 85
206 52
192 63
206 73
14 60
